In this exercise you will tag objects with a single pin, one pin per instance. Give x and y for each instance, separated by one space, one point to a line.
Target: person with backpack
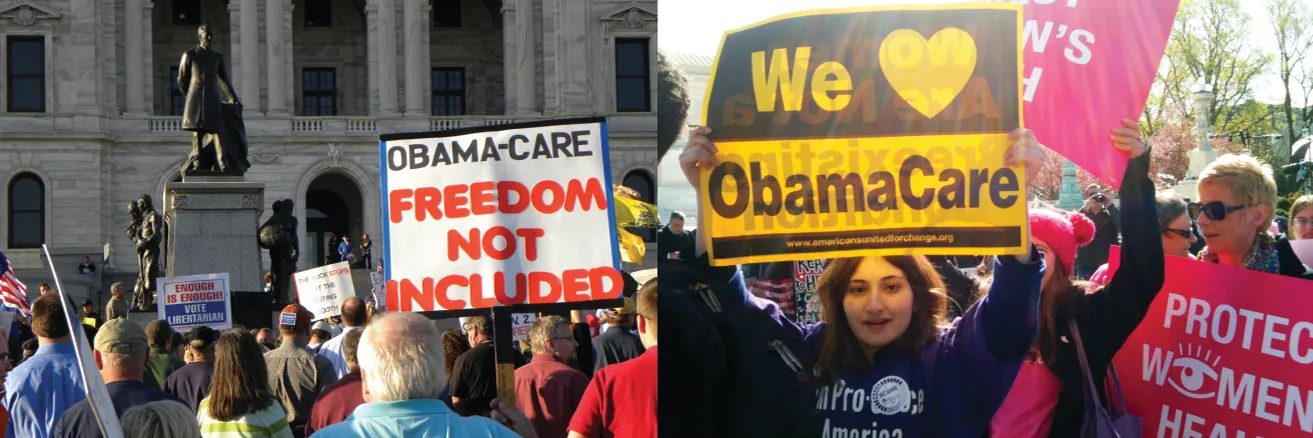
1052 396
885 362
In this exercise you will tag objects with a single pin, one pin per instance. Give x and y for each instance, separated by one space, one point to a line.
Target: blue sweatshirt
958 382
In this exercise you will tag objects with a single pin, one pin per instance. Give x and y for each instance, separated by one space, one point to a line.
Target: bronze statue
147 233
278 235
218 132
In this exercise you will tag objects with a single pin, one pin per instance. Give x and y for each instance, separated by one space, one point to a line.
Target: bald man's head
354 312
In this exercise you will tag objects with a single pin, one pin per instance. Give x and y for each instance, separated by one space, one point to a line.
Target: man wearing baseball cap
191 383
296 375
121 353
617 344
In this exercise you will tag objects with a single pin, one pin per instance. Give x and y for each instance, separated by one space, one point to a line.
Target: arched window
27 212
641 182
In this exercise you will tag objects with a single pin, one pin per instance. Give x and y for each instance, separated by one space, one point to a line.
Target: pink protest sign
1088 64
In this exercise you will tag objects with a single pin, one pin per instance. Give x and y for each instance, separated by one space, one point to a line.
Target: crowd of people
360 374
1023 353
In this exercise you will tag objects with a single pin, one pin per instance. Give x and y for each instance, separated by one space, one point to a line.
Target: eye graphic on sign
1196 373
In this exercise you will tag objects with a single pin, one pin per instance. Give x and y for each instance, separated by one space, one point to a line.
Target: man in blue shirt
399 391
344 250
41 389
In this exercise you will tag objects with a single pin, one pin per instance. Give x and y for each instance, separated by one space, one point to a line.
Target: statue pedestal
213 228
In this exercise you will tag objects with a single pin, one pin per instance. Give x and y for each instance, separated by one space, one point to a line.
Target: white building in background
89 103
674 193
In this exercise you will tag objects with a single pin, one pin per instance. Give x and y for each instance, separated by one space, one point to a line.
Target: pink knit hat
1062 232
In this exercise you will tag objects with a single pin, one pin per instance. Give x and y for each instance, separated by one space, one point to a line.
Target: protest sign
506 215
322 290
806 275
1222 352
866 131
102 406
520 323
1103 54
379 290
195 301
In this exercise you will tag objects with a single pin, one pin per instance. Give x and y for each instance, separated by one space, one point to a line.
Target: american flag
13 294
778 291
380 265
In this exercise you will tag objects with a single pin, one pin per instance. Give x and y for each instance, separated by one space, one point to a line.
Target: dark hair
241 378
351 346
1057 302
45 285
178 340
676 215
48 317
672 103
453 345
840 350
159 333
321 334
354 312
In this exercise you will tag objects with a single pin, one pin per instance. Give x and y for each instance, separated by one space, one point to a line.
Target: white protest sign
376 278
499 215
322 290
98 395
520 323
195 300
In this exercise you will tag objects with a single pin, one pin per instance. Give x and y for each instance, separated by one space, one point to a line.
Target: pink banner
1088 64
1223 352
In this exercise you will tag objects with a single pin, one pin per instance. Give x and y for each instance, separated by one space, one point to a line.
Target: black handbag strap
1116 397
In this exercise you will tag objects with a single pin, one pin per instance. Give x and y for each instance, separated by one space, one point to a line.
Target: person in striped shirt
240 404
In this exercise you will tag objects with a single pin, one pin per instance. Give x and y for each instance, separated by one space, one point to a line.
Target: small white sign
323 290
196 300
520 323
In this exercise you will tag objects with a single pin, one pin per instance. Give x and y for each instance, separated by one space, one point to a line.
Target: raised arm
1120 306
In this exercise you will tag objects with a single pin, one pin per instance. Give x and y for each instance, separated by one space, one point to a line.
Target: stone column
277 55
414 56
509 55
249 90
387 59
526 100
136 77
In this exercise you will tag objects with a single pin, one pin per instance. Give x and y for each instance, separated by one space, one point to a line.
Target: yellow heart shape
928 74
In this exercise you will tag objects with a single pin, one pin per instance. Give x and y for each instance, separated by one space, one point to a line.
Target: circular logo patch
890 396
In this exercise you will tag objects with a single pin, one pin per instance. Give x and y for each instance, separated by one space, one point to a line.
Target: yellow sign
866 131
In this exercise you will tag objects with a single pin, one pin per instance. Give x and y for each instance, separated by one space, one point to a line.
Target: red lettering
536 293
481 199
576 194
476 293
558 197
455 198
409 294
596 275
445 301
504 189
428 201
575 284
530 236
499 283
393 294
397 203
507 250
456 242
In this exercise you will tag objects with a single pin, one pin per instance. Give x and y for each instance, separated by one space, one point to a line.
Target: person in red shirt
339 399
621 401
548 389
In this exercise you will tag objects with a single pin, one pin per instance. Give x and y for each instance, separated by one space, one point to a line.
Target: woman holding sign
1051 388
889 364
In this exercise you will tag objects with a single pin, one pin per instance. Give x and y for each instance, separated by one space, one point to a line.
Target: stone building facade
89 106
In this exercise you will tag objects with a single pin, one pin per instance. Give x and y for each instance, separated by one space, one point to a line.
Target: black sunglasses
1217 211
1185 234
